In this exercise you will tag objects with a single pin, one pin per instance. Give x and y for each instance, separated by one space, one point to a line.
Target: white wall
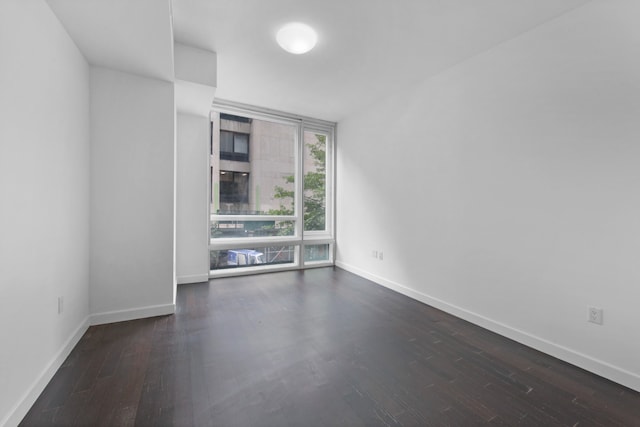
44 201
132 196
197 66
192 243
506 189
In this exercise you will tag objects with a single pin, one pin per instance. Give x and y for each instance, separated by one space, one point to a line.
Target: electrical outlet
60 305
380 257
595 315
374 253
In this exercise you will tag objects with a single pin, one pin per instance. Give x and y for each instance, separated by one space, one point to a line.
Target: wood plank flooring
317 348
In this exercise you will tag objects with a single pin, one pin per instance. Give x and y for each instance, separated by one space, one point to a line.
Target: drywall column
132 196
192 242
195 88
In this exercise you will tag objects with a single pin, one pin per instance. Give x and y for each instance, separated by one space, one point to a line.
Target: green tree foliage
314 190
315 186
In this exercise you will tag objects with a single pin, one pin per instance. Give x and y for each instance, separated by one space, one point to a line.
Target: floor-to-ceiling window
271 191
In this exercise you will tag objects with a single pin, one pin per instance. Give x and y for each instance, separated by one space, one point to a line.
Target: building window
234 187
234 146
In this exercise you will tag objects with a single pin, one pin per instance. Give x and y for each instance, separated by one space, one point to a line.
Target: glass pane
316 253
226 229
241 143
251 257
226 142
260 184
234 187
315 181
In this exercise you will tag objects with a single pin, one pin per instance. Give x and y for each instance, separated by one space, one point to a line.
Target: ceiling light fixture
297 38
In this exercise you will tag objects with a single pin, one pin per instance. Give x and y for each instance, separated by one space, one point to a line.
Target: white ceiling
366 48
129 35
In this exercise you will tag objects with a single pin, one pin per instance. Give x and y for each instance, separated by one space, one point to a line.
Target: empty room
319 213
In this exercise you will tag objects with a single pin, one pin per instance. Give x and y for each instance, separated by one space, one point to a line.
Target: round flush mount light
297 38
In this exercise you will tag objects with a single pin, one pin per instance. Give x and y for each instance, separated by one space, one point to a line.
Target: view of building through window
255 160
255 170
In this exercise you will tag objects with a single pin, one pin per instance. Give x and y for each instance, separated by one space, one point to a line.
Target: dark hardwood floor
321 347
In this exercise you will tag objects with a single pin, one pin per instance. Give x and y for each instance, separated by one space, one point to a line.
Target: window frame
329 182
300 238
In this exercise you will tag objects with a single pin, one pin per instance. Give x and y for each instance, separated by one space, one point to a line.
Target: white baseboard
598 367
132 314
29 398
193 278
